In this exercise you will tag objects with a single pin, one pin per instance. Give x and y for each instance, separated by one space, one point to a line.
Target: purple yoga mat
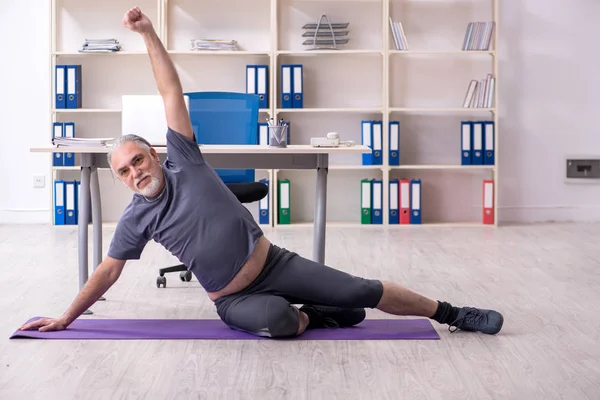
144 329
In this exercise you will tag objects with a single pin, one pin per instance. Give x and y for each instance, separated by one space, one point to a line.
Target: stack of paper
100 46
208 44
80 142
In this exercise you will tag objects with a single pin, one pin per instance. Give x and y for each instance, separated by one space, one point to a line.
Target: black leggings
265 308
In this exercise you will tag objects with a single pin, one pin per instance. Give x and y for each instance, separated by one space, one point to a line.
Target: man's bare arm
101 280
167 79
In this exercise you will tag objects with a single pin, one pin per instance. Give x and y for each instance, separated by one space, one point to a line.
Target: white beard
150 188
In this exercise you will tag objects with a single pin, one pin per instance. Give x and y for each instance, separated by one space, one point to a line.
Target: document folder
477 157
488 142
393 217
377 143
60 86
466 147
59 202
298 89
394 145
377 203
365 201
251 79
74 86
69 131
263 134
58 159
284 201
488 202
71 202
415 201
262 85
263 205
367 140
286 86
404 195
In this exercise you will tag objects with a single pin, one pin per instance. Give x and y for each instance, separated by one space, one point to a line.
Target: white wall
542 119
24 108
550 98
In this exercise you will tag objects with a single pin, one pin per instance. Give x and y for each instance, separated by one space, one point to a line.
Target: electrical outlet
39 181
582 169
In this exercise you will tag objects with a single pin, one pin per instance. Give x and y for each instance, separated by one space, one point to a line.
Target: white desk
218 156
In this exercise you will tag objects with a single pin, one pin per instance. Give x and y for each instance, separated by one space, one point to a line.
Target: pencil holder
278 136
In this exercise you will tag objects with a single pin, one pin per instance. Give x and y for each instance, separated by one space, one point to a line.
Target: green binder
284 201
365 201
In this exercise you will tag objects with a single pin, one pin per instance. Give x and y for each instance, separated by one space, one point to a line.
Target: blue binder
262 85
58 131
59 202
394 145
466 142
298 86
251 79
71 197
263 205
367 140
74 84
69 131
60 86
377 141
415 201
477 143
286 85
394 186
257 82
377 201
488 142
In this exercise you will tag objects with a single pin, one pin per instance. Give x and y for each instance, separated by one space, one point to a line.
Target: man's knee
282 318
359 293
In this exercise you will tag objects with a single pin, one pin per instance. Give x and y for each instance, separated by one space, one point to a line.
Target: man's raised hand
135 20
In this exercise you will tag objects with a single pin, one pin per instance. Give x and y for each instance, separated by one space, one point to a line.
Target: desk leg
96 221
320 210
83 218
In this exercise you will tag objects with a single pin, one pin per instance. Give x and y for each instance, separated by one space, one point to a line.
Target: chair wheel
185 276
161 280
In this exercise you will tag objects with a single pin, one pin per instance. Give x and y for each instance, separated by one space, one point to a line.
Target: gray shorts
265 308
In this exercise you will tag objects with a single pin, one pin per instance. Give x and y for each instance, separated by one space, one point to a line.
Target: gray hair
138 140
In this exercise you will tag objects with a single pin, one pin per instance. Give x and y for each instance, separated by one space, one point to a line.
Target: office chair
224 118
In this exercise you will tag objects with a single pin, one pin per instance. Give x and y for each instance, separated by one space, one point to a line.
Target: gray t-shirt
196 217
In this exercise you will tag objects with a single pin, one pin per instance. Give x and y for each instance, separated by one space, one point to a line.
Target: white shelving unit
366 78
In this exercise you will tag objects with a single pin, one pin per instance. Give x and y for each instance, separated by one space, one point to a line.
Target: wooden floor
545 279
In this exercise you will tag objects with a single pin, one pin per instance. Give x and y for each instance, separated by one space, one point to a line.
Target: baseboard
551 213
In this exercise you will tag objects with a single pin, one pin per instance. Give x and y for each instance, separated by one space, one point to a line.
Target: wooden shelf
366 71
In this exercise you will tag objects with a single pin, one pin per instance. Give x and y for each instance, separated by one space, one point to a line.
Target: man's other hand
45 325
135 20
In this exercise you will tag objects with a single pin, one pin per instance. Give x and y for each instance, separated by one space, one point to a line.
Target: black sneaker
476 320
332 317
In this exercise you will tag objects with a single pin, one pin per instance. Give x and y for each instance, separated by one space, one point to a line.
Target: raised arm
166 76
